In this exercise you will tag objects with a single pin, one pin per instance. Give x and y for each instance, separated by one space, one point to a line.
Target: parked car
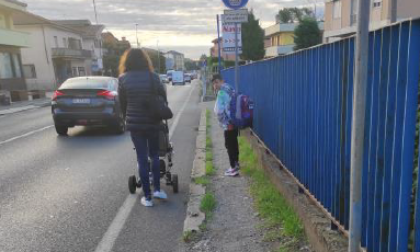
164 78
87 101
169 75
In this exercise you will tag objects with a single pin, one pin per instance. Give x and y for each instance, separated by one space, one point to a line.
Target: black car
87 101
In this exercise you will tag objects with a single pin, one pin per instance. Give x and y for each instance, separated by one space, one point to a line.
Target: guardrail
303 112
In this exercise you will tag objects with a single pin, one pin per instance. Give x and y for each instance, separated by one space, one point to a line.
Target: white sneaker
232 172
160 195
145 202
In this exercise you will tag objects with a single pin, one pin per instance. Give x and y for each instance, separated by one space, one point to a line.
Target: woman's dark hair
135 60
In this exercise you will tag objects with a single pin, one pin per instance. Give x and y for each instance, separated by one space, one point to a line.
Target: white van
178 78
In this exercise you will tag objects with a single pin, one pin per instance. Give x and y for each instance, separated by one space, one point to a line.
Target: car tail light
57 94
110 95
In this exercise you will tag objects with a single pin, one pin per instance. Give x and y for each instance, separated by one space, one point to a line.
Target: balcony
274 51
14 38
71 53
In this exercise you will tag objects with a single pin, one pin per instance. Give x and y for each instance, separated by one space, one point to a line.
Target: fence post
358 124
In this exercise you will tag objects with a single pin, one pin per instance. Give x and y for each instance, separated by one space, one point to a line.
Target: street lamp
137 37
157 44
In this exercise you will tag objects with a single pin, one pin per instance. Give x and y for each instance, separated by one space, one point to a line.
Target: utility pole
393 11
358 124
137 37
100 65
96 14
157 44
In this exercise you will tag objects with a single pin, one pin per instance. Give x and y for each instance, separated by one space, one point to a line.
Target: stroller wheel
138 183
175 183
162 166
132 184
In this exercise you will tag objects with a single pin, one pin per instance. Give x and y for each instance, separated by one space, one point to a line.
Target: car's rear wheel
120 126
61 130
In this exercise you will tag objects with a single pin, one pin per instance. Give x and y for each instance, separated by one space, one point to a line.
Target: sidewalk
16 107
235 224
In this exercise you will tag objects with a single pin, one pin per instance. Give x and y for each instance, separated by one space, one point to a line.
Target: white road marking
111 235
25 135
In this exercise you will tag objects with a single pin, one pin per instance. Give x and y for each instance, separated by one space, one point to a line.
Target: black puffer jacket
135 91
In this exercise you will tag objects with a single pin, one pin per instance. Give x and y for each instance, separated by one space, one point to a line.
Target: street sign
235 16
228 30
235 4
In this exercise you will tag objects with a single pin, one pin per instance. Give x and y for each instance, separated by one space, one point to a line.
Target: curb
194 216
24 108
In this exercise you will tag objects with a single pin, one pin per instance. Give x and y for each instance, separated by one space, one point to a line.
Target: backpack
241 110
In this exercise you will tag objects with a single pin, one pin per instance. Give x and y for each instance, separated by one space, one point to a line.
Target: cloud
180 23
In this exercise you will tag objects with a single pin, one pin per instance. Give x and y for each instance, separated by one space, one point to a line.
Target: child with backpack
234 112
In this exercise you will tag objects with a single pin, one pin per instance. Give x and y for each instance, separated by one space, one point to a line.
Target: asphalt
63 193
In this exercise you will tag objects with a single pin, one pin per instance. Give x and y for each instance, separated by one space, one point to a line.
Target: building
92 40
341 15
174 60
214 51
56 52
11 42
280 38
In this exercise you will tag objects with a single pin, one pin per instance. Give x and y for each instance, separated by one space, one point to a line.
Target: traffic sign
235 4
235 16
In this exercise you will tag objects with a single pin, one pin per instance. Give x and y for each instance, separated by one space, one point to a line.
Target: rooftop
84 26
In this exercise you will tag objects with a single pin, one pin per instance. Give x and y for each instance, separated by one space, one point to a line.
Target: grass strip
208 204
270 204
202 180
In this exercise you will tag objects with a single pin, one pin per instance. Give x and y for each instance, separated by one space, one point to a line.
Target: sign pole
219 44
236 57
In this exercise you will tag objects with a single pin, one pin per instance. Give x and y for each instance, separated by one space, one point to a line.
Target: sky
187 26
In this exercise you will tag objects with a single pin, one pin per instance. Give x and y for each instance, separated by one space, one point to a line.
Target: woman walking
138 84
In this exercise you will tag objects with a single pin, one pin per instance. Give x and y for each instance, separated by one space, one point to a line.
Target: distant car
164 78
87 101
187 78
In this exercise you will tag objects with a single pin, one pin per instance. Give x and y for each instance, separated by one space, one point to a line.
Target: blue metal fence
303 113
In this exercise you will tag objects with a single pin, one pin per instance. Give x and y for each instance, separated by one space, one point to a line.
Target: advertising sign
228 30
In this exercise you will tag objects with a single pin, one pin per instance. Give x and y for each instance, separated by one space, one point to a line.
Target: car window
90 83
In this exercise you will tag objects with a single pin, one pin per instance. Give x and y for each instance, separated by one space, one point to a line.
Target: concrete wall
380 16
408 8
39 54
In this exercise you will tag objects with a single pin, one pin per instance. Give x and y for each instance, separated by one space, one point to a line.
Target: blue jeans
147 145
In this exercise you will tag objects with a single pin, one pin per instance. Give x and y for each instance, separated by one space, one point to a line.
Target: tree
191 65
307 33
291 15
284 16
252 39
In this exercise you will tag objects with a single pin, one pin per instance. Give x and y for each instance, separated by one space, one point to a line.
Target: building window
16 65
65 42
82 71
337 9
56 41
6 68
74 71
377 3
29 71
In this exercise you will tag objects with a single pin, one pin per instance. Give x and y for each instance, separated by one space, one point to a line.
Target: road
70 193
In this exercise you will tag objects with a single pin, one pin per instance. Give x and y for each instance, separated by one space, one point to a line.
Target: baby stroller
165 164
